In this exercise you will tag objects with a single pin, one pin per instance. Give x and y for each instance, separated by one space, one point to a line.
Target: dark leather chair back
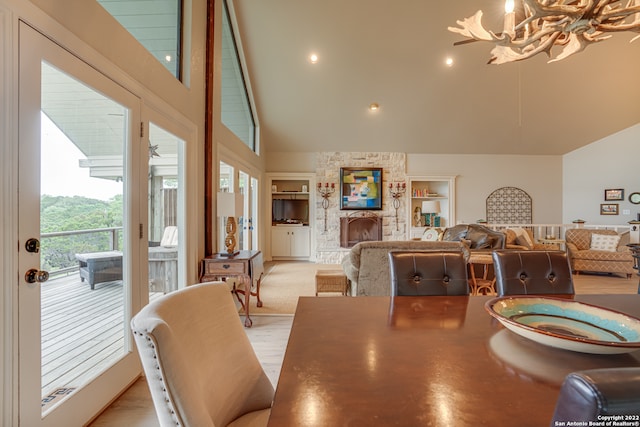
428 273
532 272
586 395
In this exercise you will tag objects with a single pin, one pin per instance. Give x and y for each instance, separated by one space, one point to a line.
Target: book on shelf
424 192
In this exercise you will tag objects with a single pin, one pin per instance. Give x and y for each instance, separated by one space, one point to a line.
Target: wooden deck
83 330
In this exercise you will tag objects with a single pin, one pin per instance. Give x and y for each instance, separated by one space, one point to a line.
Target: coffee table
99 267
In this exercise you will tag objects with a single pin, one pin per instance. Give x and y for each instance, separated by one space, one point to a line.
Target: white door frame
82 405
11 11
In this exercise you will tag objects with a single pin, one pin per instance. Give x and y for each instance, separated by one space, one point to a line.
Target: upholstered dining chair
522 272
588 395
428 273
199 363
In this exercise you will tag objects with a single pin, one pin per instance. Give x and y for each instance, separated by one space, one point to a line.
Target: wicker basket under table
331 281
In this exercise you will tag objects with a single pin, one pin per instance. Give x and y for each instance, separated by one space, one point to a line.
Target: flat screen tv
290 211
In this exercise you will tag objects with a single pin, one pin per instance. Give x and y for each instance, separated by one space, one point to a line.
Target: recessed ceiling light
449 61
374 106
168 58
313 58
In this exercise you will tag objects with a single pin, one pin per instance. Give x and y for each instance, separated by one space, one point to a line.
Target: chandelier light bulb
509 6
556 29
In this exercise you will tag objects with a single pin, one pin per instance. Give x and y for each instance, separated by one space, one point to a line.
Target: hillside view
62 213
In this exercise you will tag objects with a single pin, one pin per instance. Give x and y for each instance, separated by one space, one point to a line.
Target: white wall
478 176
291 162
611 162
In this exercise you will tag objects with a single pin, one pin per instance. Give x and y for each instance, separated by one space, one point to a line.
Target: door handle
33 276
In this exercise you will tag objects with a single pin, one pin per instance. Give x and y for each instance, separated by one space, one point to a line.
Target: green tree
62 213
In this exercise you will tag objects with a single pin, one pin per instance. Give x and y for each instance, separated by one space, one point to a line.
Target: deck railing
60 258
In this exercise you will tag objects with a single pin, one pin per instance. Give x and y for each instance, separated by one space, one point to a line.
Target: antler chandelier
568 25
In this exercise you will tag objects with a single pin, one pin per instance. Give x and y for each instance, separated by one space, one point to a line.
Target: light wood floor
269 336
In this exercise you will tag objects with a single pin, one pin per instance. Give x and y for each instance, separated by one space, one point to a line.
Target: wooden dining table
423 361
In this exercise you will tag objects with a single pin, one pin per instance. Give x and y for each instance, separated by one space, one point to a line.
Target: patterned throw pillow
524 240
605 242
522 237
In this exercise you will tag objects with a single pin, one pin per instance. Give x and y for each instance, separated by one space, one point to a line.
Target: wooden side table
247 266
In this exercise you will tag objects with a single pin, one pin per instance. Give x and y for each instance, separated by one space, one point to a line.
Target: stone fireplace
360 227
329 245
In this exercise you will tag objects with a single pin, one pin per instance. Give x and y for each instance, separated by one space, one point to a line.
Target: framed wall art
361 188
609 209
614 194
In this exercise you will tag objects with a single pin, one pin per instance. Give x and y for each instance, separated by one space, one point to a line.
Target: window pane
156 24
236 111
165 196
84 136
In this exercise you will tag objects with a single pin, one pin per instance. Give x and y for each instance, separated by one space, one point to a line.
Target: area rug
282 285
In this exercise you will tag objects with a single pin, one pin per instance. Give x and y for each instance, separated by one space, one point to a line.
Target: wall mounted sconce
396 191
326 191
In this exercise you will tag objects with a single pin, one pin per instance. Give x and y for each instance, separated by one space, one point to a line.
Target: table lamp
230 205
431 208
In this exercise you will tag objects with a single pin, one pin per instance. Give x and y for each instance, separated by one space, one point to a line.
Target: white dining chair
200 366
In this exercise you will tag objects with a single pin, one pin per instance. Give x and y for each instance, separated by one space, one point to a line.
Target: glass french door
245 222
255 214
79 163
165 208
248 223
226 184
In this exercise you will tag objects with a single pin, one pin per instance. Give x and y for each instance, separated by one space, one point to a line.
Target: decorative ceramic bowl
547 364
567 324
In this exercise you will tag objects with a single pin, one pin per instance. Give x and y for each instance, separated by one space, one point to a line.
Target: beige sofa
583 258
367 263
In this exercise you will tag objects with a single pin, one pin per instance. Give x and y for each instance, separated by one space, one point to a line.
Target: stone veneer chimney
328 164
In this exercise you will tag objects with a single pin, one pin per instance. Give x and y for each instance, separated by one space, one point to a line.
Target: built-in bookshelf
440 189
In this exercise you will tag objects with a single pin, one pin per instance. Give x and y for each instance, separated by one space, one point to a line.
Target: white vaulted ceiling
393 53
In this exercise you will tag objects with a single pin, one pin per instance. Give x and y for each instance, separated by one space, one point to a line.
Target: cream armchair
585 257
199 364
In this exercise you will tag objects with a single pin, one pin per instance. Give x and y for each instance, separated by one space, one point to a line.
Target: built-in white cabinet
290 241
439 193
291 200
